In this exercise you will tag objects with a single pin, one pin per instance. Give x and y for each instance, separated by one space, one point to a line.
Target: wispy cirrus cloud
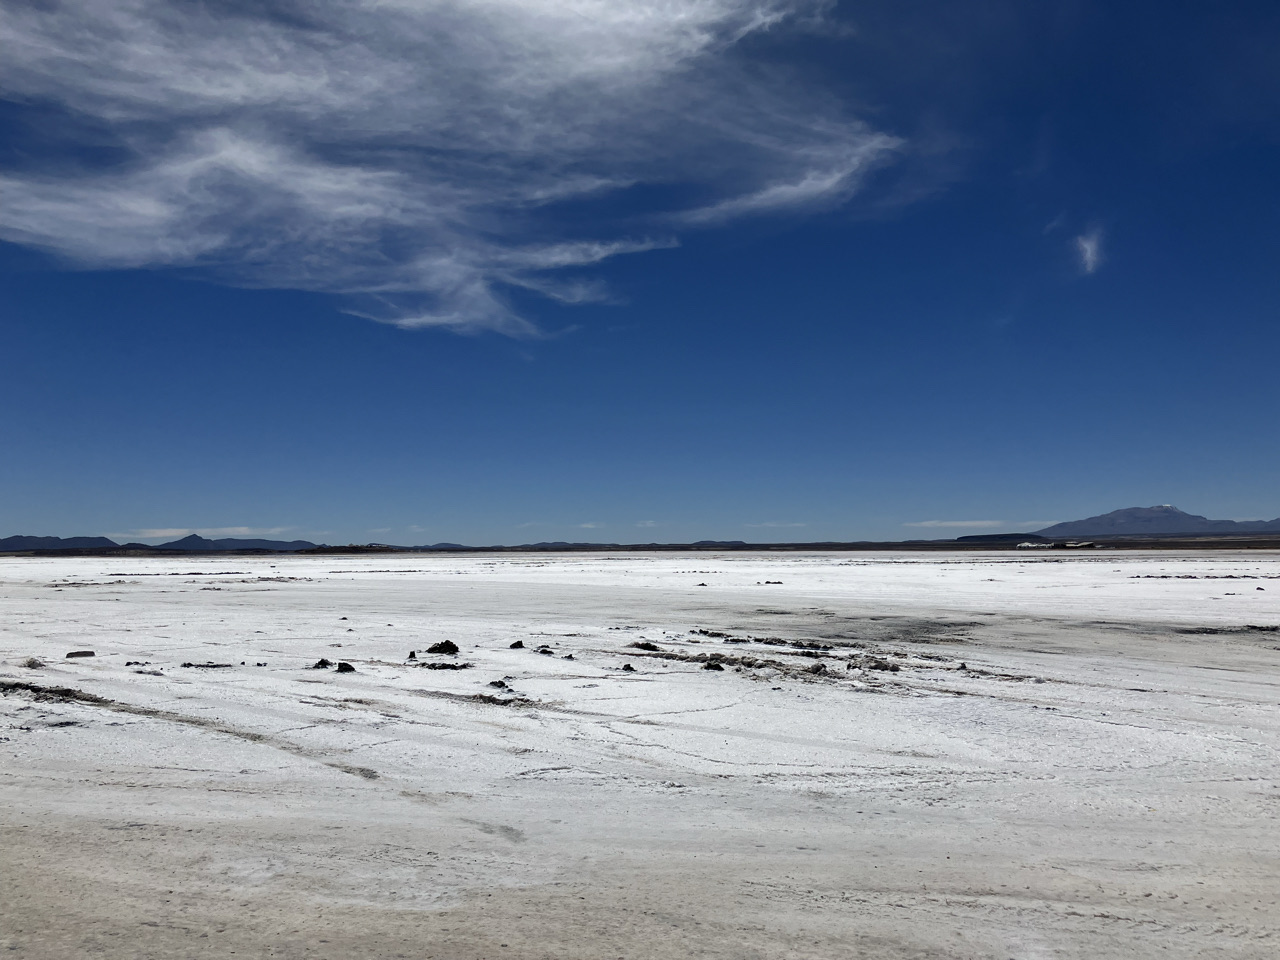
979 524
415 154
1089 251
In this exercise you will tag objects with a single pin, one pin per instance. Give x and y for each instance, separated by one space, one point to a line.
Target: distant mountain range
1163 520
13 544
191 544
1158 521
196 542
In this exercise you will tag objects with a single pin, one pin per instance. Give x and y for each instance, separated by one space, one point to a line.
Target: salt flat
902 755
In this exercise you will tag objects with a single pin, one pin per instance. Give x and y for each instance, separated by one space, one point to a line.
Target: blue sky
500 272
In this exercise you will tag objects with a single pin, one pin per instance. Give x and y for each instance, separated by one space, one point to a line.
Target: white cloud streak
978 524
427 156
957 523
1089 251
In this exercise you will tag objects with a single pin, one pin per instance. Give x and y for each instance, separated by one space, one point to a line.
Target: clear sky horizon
628 271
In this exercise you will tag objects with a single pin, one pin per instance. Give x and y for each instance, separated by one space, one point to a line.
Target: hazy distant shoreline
1240 541
1158 527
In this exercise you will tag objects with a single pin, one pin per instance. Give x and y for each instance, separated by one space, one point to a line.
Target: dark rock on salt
444 646
567 656
413 655
498 683
643 645
518 645
80 653
345 667
322 664
711 665
628 668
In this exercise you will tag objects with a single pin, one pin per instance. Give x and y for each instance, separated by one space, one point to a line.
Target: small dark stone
644 645
964 666
321 664
413 655
711 665
628 668
259 664
80 653
567 656
818 668
546 651
702 584
345 667
498 683
342 618
518 645
444 646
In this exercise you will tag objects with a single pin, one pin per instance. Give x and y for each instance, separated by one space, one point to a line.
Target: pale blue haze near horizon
765 270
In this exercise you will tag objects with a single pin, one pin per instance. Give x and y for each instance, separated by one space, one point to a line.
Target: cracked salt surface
1074 757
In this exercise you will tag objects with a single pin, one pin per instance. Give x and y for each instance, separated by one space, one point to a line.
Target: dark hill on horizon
1162 520
191 544
54 543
